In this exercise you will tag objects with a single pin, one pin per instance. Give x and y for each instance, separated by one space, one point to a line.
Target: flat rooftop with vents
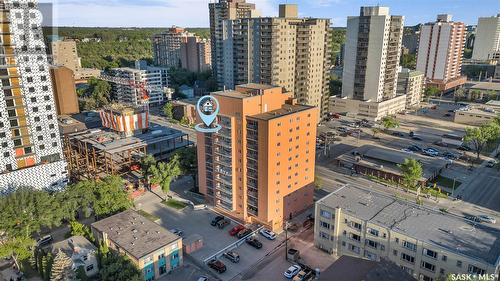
444 230
134 234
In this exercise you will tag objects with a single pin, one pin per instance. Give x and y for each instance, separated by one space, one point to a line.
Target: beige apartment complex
371 63
220 11
260 166
285 51
64 53
487 41
440 49
424 242
411 83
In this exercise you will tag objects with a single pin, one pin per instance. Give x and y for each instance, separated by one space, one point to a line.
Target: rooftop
73 244
386 159
134 233
232 94
286 109
440 229
493 103
256 86
486 86
348 268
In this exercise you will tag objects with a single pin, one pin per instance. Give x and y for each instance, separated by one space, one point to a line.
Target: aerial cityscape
249 140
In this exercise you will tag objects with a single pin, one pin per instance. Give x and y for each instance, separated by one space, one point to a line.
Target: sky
194 13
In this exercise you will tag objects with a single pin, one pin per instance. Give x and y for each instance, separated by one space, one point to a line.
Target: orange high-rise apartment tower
260 166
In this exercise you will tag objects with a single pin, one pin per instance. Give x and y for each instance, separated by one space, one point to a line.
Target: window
355 237
89 267
428 266
425 278
373 232
6 154
410 246
38 128
324 235
356 225
459 263
407 258
444 258
325 214
51 126
353 248
371 243
37 119
148 259
476 270
430 253
40 138
324 224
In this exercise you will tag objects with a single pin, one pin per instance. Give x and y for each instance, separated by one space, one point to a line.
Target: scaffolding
94 154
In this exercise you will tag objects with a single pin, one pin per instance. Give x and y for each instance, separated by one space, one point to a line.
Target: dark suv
216 220
254 243
232 256
217 265
243 233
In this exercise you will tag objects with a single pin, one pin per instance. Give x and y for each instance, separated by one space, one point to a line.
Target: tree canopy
118 267
482 135
390 122
96 95
164 172
412 172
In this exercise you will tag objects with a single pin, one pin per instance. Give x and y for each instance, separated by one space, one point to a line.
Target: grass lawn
447 182
172 203
148 215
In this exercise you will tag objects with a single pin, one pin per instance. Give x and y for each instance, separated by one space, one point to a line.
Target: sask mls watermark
473 277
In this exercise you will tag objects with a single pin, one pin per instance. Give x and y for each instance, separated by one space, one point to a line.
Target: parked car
450 155
268 234
417 138
430 152
491 163
216 220
217 265
292 271
415 148
488 219
243 233
464 148
398 134
203 278
236 229
177 232
45 240
252 241
302 275
232 256
473 218
342 129
447 115
223 223
406 150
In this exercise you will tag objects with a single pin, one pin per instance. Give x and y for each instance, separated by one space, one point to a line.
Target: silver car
488 219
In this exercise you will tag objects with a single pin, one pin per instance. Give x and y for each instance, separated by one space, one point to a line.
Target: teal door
174 259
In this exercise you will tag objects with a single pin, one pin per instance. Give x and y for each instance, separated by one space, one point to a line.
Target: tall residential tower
372 53
285 51
220 11
487 42
31 151
440 50
260 166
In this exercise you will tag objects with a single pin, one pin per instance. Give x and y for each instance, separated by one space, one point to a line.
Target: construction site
118 147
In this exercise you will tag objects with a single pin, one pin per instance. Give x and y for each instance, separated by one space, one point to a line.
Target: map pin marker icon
208 108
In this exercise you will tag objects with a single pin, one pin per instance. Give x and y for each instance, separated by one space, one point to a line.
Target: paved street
156 118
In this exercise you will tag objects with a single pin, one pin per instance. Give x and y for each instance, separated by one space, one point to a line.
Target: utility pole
453 190
286 240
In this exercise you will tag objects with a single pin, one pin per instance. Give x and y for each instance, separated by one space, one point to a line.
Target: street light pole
286 240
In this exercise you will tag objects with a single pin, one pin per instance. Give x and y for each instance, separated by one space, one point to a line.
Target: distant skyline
194 13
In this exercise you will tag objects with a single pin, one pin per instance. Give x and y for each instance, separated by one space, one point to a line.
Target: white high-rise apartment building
487 42
440 50
372 55
138 86
30 146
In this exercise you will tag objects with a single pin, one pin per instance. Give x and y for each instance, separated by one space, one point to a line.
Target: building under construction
118 147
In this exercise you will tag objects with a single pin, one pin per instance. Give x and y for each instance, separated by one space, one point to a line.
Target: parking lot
215 240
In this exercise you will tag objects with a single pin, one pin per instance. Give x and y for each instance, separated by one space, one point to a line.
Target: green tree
459 94
390 122
431 91
168 110
318 183
118 267
409 61
79 229
412 171
21 248
164 173
480 136
61 268
110 197
187 159
80 196
376 131
147 162
184 121
26 211
467 53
